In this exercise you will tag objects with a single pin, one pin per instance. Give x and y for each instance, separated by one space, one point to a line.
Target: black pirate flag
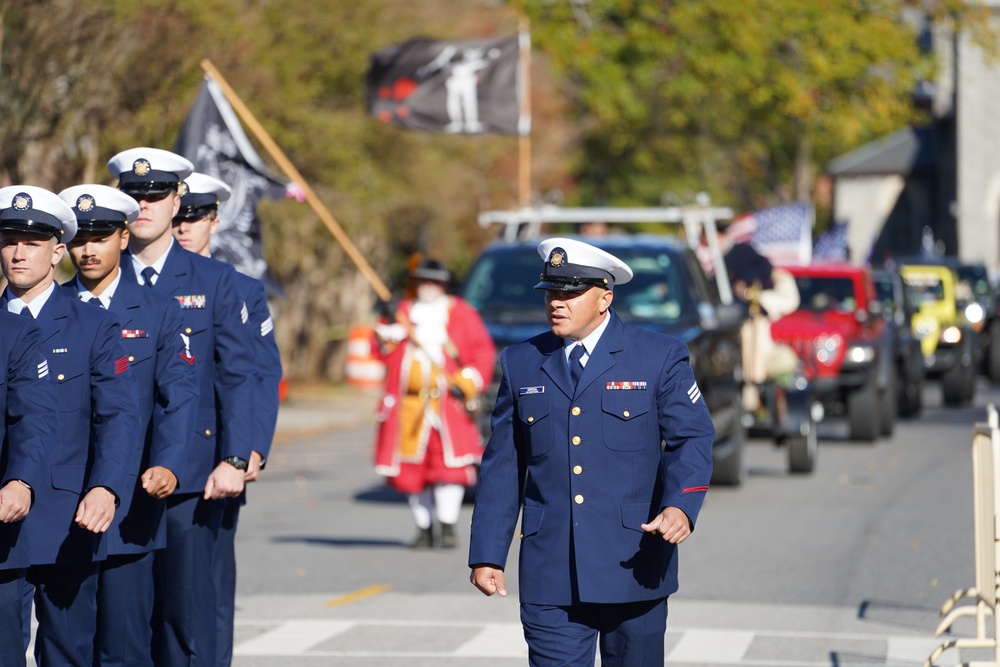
213 139
464 87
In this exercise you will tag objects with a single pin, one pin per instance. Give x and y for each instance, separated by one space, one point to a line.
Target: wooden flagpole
524 114
293 174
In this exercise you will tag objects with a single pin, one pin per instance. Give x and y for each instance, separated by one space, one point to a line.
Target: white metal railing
527 222
986 516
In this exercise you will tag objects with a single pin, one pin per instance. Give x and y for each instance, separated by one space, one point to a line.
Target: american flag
782 233
831 246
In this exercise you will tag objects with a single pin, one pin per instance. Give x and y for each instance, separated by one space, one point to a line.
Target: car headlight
826 348
860 354
951 335
974 313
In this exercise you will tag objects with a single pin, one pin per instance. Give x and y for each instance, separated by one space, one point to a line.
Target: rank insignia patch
191 300
43 369
186 352
244 313
694 393
134 333
266 327
121 365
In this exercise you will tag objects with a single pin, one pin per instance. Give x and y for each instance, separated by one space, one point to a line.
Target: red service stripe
693 489
121 365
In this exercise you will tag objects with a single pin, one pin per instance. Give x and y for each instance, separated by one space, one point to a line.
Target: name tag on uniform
191 300
523 391
626 385
134 333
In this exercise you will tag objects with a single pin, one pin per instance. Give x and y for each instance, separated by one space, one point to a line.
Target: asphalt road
846 566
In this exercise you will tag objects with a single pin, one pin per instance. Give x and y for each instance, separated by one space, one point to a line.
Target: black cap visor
189 213
39 222
574 278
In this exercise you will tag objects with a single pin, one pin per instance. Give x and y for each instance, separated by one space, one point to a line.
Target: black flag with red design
456 87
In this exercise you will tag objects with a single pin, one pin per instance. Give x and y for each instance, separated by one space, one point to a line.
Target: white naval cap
99 208
149 171
202 194
575 266
28 208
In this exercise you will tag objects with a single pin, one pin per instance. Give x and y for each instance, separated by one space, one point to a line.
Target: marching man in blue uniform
217 344
151 329
97 422
194 224
602 443
27 397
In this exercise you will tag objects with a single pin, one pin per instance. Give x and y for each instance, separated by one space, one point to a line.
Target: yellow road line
361 594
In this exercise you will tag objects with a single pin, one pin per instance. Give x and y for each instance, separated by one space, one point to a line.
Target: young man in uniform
168 403
217 344
195 222
602 442
98 425
27 398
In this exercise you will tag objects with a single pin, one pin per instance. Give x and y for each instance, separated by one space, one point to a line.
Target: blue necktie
575 367
26 312
147 275
96 301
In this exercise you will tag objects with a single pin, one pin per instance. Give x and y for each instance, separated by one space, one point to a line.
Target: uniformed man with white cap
194 224
27 440
96 418
218 346
168 402
603 444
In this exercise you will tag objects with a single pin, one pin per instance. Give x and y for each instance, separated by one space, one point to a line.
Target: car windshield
501 286
974 276
821 293
922 288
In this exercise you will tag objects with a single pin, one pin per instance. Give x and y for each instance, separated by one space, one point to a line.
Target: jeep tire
993 352
955 383
863 411
887 398
803 450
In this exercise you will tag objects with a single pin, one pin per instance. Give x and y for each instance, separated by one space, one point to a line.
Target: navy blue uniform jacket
218 345
167 390
98 425
27 400
588 467
268 360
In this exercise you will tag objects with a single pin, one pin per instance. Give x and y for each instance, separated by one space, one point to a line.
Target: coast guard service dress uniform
582 463
27 399
200 205
217 345
98 429
167 392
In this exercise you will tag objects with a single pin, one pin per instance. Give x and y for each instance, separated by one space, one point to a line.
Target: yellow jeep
946 339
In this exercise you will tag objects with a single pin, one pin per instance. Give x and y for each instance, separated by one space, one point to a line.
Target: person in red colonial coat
439 357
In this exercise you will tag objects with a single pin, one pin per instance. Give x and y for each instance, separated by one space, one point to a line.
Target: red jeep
839 334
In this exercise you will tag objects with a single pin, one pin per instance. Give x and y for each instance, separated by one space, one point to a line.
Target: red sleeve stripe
694 489
121 365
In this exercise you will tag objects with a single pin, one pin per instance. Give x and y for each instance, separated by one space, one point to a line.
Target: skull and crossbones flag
454 87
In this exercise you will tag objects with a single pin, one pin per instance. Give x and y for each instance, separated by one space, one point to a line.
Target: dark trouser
631 634
225 582
184 617
12 632
125 611
66 608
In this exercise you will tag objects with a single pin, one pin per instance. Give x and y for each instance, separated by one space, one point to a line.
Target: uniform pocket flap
532 409
634 515
69 477
624 406
531 520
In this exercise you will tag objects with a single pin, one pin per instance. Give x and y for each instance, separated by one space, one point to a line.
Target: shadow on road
339 541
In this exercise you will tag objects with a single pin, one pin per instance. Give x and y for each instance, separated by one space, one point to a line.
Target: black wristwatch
236 462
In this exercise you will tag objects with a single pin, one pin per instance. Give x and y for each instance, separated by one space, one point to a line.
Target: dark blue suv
669 293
